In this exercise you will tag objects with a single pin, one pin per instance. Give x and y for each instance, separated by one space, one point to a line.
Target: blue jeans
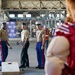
46 44
40 54
4 51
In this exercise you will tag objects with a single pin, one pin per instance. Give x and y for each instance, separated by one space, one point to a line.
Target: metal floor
14 56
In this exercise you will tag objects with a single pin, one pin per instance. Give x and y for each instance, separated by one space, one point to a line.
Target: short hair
4 23
24 24
38 24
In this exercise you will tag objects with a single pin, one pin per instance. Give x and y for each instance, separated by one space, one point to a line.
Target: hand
46 35
18 43
10 47
23 46
42 47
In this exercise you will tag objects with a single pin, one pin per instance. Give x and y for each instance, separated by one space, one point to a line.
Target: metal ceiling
17 5
34 7
33 0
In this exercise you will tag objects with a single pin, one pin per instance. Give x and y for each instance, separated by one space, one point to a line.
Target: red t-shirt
46 32
68 30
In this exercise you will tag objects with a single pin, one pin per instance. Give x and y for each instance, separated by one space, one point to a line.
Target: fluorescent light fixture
12 15
53 15
58 24
38 17
57 15
28 15
49 15
20 15
42 15
63 11
24 13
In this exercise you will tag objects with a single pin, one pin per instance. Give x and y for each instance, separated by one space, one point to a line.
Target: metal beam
51 10
33 4
32 0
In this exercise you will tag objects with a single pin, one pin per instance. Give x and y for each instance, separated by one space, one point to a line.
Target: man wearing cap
25 45
40 46
4 42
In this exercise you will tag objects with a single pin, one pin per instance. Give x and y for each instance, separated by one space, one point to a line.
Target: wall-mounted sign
11 27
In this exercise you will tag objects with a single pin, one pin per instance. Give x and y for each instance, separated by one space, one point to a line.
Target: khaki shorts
53 66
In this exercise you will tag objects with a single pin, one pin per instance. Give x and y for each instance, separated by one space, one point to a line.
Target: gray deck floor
14 56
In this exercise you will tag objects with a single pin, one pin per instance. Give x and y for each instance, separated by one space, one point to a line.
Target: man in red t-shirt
46 37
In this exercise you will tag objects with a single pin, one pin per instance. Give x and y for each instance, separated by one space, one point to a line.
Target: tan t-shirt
24 35
3 35
39 35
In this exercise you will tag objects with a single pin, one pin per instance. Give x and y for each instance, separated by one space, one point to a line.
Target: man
46 37
40 46
4 42
25 45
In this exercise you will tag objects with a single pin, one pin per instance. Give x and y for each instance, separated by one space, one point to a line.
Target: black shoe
37 67
0 64
22 66
27 66
41 67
